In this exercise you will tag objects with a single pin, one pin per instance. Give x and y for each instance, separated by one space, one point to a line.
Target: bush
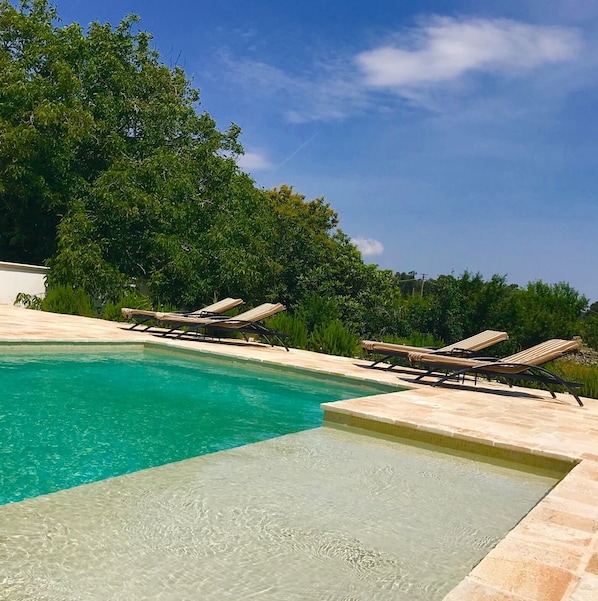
29 301
590 330
576 372
65 299
316 310
291 325
416 339
334 339
134 300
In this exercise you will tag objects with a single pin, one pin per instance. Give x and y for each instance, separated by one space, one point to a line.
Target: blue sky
449 136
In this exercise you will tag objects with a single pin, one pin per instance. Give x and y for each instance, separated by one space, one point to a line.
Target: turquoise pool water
80 415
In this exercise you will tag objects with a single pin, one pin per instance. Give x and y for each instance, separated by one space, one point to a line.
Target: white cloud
444 49
368 247
328 91
251 161
431 65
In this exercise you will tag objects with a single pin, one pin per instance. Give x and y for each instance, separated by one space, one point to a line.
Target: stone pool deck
551 555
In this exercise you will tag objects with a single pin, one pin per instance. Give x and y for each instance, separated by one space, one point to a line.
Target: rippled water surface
319 514
79 416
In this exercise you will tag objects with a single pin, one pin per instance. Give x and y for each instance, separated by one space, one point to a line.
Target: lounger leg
140 323
381 361
558 380
428 373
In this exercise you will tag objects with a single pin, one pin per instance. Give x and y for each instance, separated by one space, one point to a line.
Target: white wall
16 277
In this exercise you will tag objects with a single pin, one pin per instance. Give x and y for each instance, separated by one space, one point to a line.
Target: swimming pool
314 514
71 415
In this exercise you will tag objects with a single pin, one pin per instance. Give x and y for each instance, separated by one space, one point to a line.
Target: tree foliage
107 168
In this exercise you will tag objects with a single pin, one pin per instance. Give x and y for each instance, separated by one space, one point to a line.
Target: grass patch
577 372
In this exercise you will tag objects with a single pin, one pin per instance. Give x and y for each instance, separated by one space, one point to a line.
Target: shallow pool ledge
552 554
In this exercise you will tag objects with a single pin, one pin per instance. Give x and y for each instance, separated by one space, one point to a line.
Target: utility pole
423 280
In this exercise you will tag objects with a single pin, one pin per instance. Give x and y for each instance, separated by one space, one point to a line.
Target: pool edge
549 554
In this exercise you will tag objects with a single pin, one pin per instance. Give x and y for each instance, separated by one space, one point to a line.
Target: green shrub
334 339
29 301
134 300
291 325
576 372
416 339
65 299
590 330
316 310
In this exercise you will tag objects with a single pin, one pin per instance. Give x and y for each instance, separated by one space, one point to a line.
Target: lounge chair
522 366
143 316
462 348
249 322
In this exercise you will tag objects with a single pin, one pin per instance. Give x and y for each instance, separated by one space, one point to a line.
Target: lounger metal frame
154 317
508 372
245 328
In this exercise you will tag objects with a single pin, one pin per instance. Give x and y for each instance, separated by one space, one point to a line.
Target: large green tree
547 311
42 122
107 168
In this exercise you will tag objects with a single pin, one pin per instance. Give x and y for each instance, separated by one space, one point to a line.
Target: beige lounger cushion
218 307
473 343
536 355
129 313
238 321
